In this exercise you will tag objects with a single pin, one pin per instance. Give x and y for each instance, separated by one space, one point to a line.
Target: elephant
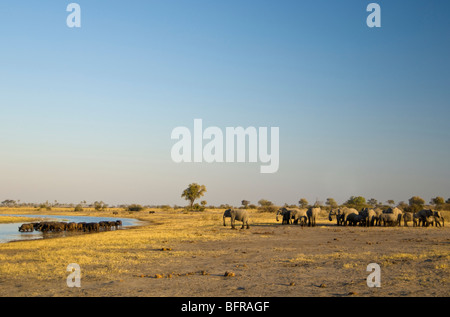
422 215
396 212
336 213
286 214
433 221
303 221
26 227
389 219
295 216
342 214
378 213
416 219
354 219
439 218
237 214
407 217
118 223
430 220
368 217
299 216
312 213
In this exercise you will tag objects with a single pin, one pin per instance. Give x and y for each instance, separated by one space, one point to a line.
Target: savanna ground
187 254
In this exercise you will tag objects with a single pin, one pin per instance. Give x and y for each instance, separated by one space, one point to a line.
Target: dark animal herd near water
53 226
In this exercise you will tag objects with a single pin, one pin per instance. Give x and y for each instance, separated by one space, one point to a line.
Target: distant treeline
414 204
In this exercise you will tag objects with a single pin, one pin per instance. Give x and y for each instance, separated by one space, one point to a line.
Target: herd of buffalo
53 226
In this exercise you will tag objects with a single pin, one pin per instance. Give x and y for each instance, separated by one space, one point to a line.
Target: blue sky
87 113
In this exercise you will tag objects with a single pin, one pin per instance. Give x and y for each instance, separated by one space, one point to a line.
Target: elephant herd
346 216
299 216
388 217
53 226
296 216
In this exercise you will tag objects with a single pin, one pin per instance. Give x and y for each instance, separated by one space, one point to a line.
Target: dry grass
127 253
113 252
8 219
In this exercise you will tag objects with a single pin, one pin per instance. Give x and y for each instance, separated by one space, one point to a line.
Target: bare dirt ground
268 260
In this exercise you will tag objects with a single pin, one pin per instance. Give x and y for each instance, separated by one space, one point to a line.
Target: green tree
331 202
245 203
265 203
403 206
78 207
266 206
134 207
100 205
390 202
356 201
9 203
303 203
373 202
437 201
193 192
416 201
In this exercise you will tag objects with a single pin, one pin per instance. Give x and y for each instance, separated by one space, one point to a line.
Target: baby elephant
236 214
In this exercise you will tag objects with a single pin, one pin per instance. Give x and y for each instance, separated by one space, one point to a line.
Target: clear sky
87 113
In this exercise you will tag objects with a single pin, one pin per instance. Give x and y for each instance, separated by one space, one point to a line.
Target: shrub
266 206
45 206
135 207
271 208
196 207
100 205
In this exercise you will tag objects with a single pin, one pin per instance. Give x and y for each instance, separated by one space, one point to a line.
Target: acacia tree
373 202
9 203
100 205
266 206
331 202
416 203
416 200
437 201
193 192
303 202
356 202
